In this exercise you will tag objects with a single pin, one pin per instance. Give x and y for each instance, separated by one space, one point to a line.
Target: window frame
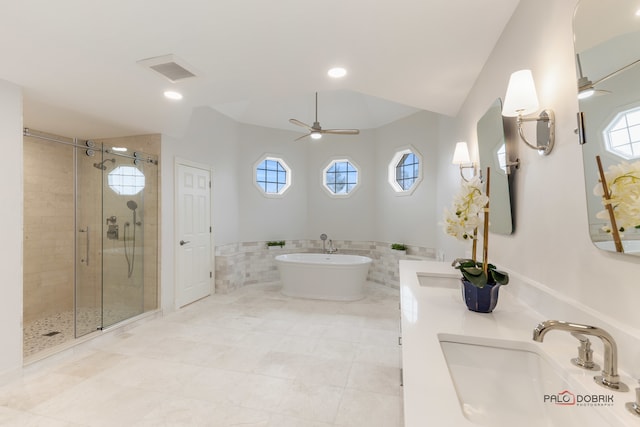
120 188
331 162
619 115
393 165
288 175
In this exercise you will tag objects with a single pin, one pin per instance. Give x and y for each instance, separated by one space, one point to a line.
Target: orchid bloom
623 181
464 217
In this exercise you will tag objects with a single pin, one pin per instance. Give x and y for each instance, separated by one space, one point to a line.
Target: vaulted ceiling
257 61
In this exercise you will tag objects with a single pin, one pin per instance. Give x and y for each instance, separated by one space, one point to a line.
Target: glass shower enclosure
90 235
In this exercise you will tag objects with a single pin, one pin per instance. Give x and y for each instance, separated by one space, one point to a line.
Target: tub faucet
609 377
331 249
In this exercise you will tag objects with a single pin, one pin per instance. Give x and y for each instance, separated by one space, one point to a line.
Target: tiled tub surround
253 358
246 263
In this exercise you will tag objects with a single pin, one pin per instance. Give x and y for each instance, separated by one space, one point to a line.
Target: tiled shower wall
49 230
246 263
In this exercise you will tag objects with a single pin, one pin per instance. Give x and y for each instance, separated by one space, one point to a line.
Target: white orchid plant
462 222
623 181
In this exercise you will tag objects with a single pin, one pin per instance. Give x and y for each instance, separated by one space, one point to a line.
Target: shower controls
112 230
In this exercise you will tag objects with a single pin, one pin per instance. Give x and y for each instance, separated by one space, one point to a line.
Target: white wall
409 219
349 218
372 212
266 218
551 243
211 140
11 217
448 179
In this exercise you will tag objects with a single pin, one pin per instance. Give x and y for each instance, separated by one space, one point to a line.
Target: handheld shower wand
131 204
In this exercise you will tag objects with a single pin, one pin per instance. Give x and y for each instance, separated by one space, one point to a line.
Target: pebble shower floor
47 332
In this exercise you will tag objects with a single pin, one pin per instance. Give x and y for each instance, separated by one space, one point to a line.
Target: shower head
132 205
101 164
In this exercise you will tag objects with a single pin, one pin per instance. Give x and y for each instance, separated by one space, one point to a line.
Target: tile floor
250 358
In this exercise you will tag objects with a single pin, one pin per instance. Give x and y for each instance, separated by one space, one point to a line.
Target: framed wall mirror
607 52
492 152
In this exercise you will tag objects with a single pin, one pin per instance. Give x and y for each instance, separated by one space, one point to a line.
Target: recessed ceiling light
173 95
337 72
638 12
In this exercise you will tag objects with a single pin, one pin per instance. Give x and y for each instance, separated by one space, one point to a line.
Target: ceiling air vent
169 66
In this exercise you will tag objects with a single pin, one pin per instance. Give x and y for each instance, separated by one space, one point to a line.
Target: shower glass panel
88 252
49 245
123 269
90 235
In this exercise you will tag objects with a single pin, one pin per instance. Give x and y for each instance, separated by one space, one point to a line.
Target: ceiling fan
316 131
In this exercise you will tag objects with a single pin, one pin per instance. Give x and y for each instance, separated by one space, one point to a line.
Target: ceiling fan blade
299 123
316 130
341 131
303 136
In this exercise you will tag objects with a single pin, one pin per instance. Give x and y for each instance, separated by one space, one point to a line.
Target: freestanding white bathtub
333 277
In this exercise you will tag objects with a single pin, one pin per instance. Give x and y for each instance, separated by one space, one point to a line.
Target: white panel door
195 265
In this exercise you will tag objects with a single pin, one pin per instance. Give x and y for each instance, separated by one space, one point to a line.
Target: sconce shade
521 98
461 154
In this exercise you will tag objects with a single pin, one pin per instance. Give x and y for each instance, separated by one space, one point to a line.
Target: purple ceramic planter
481 300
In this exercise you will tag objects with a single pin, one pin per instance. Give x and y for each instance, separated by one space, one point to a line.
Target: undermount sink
504 383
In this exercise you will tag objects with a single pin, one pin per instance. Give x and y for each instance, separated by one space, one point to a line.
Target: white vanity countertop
426 311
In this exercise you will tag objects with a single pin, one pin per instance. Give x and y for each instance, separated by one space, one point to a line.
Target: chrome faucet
609 377
634 407
331 249
585 354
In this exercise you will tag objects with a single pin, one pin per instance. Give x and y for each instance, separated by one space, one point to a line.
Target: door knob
183 242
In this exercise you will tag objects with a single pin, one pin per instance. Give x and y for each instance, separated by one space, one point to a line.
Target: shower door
87 211
123 191
88 247
109 237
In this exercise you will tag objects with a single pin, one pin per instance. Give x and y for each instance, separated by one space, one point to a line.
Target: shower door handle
86 259
183 242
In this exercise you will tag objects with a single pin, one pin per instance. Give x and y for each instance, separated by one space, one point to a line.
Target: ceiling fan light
316 135
586 93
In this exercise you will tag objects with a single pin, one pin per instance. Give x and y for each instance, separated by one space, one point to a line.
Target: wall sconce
461 157
521 100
